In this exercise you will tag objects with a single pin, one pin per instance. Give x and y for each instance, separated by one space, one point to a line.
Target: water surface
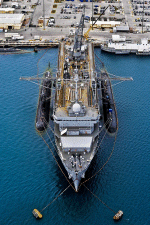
30 178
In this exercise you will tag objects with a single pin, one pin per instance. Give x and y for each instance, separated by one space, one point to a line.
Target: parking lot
141 14
61 18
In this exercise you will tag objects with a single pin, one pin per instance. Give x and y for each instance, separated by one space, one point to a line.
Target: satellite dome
76 107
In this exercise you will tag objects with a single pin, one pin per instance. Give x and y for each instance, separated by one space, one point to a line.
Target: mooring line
50 202
50 139
102 202
57 162
39 61
55 198
48 126
104 163
99 60
99 199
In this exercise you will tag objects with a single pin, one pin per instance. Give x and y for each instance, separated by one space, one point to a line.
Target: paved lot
69 13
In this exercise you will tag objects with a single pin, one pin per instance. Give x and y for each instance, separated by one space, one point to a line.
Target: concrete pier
29 44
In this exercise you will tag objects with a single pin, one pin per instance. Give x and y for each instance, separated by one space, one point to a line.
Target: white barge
123 47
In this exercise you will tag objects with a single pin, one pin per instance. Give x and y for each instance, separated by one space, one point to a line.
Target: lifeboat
118 215
37 214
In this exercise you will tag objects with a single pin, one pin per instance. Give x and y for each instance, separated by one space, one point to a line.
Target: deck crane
86 35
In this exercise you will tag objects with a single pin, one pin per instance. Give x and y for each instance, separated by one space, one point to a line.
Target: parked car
50 24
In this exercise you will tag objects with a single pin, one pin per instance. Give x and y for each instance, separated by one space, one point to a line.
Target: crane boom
86 35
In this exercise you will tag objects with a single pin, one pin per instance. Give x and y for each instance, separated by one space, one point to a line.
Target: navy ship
78 105
82 106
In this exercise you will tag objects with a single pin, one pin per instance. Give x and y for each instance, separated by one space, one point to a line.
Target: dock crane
86 35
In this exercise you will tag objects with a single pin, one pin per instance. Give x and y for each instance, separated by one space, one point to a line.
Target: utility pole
92 14
43 16
142 16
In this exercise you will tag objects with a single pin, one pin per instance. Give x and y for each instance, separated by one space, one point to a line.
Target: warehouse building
11 21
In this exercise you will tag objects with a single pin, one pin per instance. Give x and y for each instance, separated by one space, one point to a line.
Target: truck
10 35
17 37
37 38
14 36
118 38
51 21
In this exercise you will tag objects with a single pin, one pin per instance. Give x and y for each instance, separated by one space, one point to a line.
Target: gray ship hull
77 110
69 161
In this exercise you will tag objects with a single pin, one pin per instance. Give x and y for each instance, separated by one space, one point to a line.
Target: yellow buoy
37 214
118 215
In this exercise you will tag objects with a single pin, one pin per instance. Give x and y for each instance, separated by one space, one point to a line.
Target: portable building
122 28
105 24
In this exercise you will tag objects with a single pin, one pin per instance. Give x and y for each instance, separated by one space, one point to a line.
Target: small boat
9 50
37 214
35 49
118 215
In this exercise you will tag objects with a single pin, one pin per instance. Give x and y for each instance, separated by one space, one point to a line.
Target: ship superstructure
77 111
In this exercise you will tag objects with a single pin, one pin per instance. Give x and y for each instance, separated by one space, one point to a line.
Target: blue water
29 176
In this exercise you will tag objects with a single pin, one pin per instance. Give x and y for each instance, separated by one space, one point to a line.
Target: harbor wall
38 44
29 44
